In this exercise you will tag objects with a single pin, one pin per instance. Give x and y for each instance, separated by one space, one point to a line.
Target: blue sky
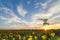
23 14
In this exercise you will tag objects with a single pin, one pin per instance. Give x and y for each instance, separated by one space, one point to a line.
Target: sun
46 27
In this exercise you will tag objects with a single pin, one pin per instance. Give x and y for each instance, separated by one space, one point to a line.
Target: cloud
21 11
28 2
9 15
8 12
37 5
44 5
14 22
11 20
51 13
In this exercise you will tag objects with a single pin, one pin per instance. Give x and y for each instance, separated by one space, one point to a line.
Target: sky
24 14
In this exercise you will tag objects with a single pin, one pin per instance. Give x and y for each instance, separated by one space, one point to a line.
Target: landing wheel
45 23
